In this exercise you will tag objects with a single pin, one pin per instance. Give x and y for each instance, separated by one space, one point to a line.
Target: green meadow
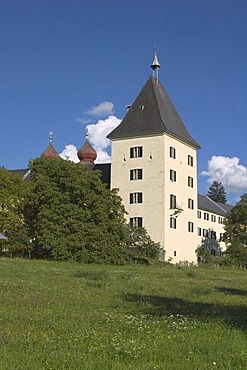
57 315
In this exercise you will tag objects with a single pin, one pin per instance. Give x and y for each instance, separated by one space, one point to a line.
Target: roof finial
155 65
86 133
50 136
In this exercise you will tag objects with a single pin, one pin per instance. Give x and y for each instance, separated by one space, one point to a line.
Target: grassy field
71 316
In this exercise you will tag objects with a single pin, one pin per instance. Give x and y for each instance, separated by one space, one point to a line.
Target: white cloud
70 153
103 109
97 138
229 172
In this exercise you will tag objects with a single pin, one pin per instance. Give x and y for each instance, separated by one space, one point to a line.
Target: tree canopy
12 193
70 214
236 223
217 192
235 234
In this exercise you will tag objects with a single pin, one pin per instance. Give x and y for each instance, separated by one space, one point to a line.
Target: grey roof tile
152 113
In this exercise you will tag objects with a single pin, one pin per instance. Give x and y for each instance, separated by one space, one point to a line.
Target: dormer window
141 107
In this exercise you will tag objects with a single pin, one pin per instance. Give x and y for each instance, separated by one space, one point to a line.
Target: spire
87 154
50 152
155 65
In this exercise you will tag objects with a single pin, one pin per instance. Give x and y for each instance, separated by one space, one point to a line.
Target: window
213 218
173 201
136 221
135 197
220 220
172 152
190 160
141 107
136 152
199 214
205 233
136 174
175 253
190 227
199 231
221 237
206 216
173 223
190 181
212 234
190 203
173 175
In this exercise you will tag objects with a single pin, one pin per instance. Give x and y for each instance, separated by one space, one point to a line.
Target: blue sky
66 64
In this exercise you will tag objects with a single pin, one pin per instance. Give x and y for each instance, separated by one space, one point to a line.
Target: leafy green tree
236 223
140 243
235 234
71 215
217 192
12 193
237 253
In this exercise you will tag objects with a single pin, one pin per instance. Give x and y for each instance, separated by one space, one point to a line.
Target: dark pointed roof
152 113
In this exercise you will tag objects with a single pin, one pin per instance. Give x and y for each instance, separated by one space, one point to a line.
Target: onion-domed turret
50 152
87 154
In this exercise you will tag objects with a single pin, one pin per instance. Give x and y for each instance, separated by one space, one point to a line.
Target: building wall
156 187
210 228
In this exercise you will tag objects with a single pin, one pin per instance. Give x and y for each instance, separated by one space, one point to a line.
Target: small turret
87 154
50 152
155 65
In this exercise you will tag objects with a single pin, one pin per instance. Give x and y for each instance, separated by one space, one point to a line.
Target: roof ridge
211 200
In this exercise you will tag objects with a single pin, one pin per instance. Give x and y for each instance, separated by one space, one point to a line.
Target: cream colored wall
152 184
180 240
210 225
156 187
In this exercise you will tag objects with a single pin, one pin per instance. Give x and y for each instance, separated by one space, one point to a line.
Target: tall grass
71 316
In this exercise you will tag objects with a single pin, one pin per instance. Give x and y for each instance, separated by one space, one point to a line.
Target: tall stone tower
154 166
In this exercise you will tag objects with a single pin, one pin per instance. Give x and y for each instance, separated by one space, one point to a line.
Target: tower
154 167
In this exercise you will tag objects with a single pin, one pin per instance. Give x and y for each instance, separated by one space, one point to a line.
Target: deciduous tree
71 215
12 192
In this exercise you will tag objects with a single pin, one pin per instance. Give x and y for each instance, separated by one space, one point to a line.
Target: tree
236 223
12 193
140 243
217 192
235 234
71 215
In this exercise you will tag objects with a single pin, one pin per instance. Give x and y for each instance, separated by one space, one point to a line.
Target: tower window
190 160
190 227
136 152
136 221
136 174
172 152
190 181
190 203
173 223
173 176
173 201
135 198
